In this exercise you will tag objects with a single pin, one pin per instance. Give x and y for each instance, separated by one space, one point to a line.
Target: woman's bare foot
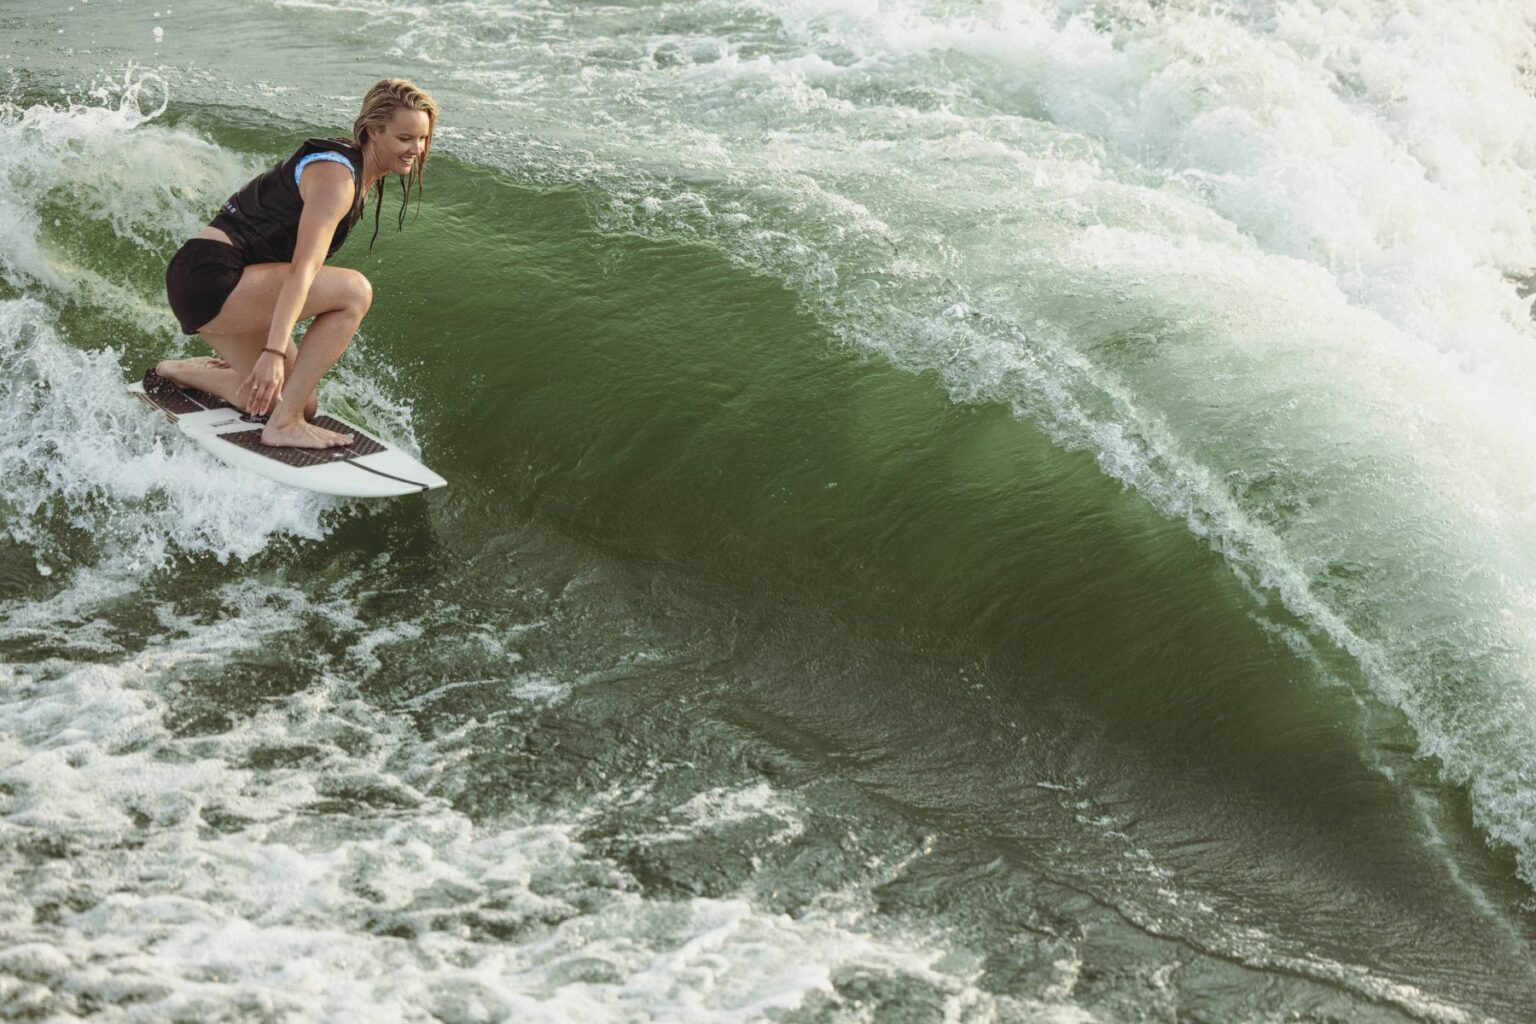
302 434
213 375
176 370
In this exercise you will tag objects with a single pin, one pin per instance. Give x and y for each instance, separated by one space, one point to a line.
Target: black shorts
200 277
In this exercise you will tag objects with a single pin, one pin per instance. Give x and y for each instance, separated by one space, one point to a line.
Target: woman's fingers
264 392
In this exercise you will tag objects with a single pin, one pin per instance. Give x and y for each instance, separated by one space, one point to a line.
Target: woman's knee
359 293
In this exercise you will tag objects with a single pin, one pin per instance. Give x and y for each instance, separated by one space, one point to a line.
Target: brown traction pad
177 400
250 440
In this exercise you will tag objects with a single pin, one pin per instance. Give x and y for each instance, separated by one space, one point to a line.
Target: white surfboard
366 468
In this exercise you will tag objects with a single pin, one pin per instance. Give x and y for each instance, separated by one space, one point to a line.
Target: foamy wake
92 479
297 866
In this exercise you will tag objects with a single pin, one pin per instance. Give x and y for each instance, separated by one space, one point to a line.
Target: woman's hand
265 383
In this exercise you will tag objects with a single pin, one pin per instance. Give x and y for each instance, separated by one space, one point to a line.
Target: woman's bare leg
324 342
206 373
338 299
217 374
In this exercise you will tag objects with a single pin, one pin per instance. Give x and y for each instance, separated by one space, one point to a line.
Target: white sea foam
293 866
153 186
721 807
91 479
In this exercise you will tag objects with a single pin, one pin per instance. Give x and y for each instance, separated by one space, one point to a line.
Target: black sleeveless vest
262 219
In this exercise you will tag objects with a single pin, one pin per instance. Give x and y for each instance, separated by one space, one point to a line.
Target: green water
740 673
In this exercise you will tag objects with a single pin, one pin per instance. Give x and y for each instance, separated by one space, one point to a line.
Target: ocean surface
958 512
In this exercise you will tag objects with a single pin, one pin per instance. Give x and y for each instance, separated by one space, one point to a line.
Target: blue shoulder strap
324 154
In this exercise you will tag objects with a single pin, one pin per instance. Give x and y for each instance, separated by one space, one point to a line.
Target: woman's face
402 141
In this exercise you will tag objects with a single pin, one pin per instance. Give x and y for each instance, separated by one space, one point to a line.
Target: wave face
990 511
1270 266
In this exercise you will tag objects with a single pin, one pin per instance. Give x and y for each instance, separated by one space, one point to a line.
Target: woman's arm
327 190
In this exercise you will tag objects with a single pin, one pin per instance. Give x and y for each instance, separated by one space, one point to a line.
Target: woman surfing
258 268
